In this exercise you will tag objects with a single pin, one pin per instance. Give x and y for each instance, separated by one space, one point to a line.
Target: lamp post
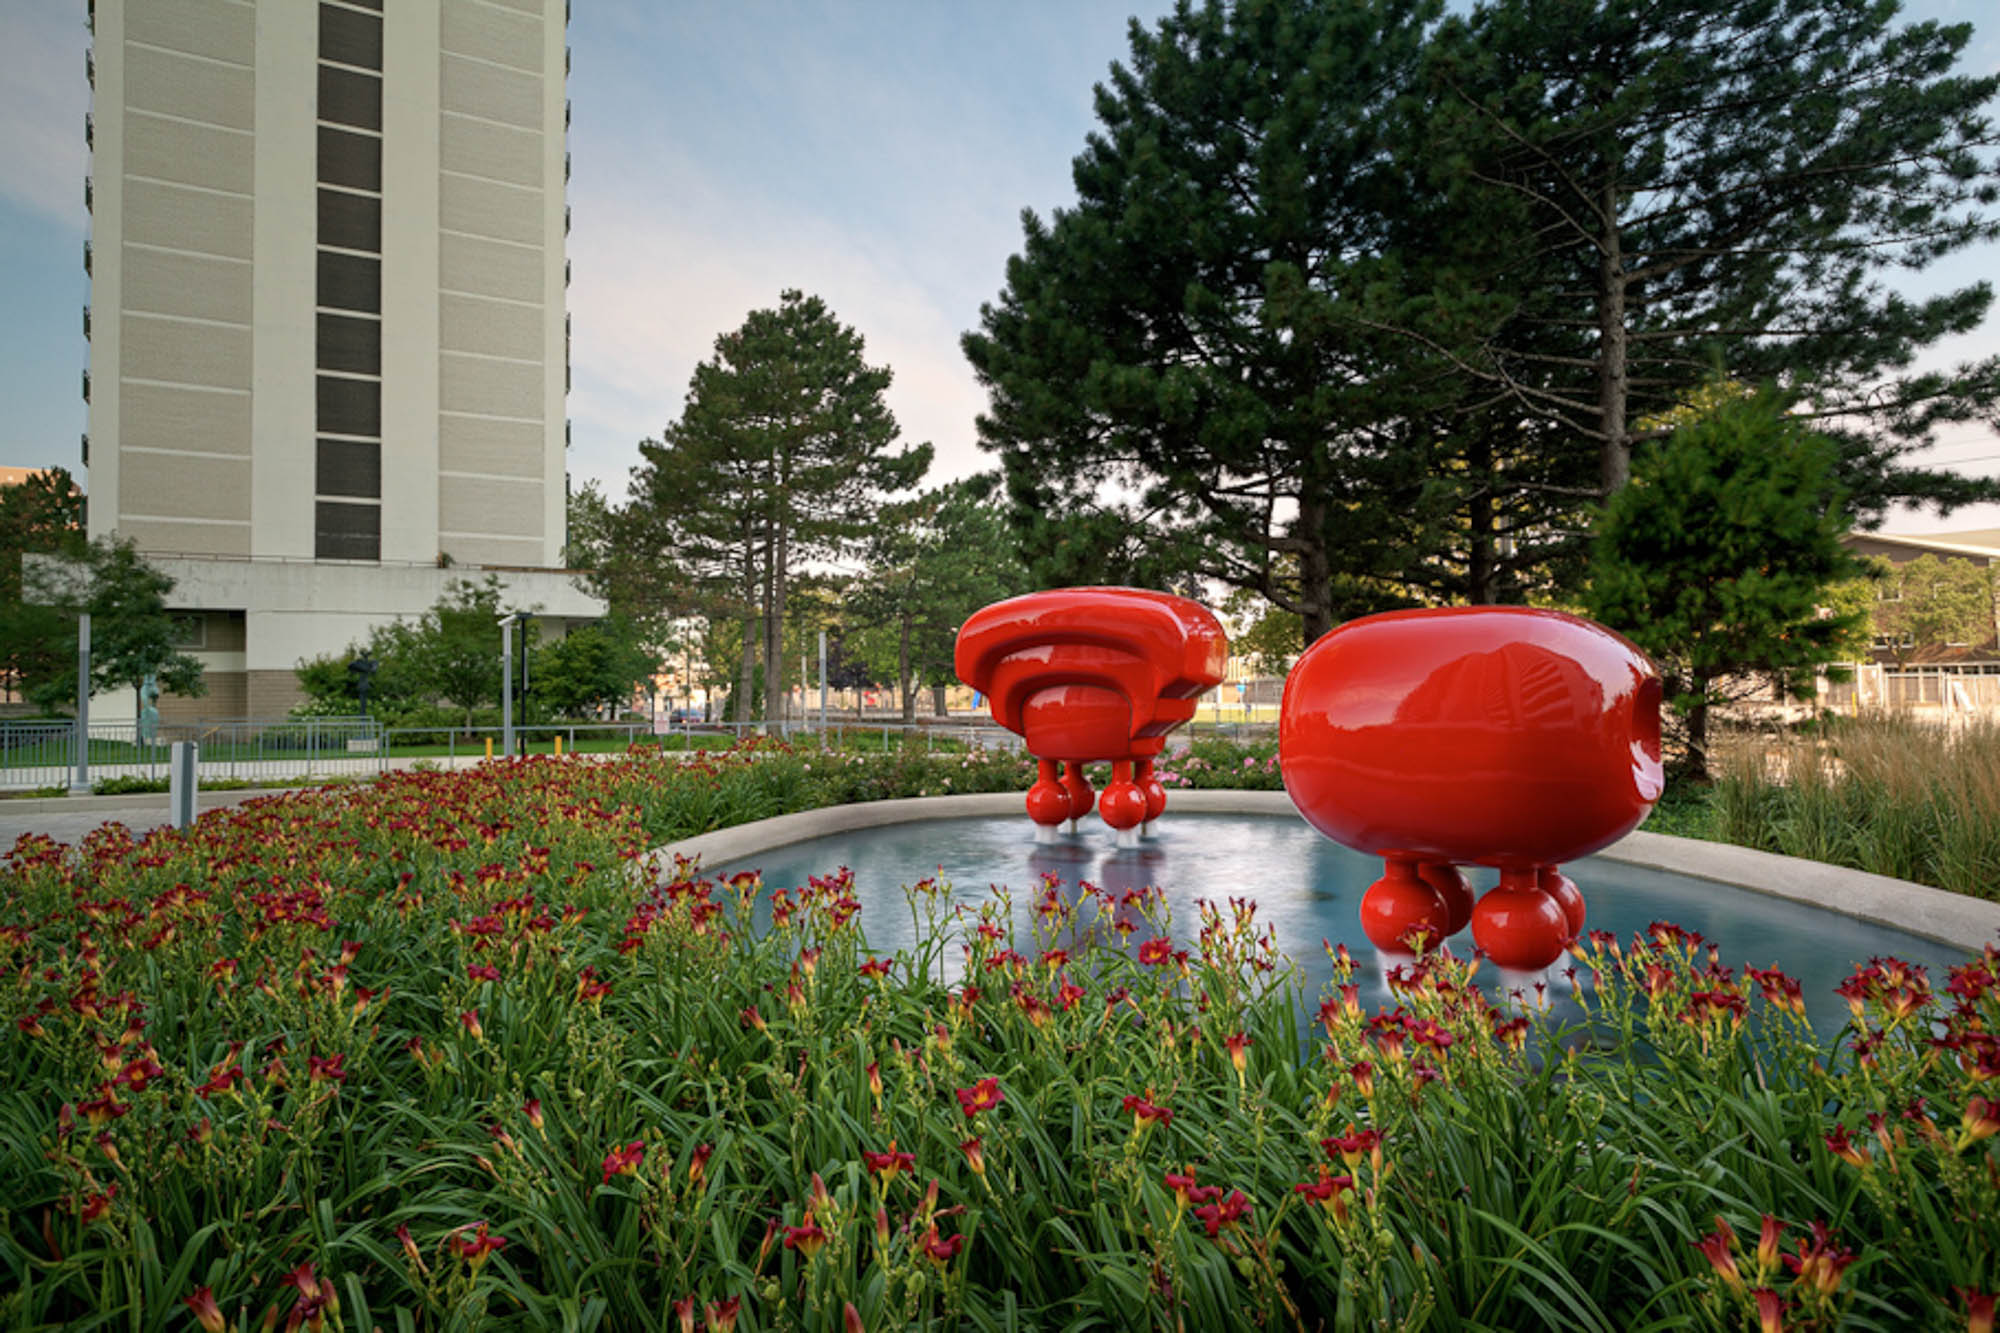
507 682
79 785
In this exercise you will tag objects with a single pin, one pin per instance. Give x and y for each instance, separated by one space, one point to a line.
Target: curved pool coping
1949 918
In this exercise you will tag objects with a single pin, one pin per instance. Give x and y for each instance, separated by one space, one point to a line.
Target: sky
877 153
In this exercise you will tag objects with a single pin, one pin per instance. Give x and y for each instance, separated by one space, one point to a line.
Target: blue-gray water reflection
1309 889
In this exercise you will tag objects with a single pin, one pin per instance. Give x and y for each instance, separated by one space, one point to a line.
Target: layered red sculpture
1499 736
1088 674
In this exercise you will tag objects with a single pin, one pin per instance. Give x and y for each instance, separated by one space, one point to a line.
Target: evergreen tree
1181 376
781 456
1690 183
1716 558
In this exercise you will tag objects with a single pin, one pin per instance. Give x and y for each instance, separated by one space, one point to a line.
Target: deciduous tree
1930 604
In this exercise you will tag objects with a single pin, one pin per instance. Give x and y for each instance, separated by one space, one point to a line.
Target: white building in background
328 339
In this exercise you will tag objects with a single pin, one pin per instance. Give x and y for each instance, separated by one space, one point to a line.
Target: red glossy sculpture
1088 674
1500 736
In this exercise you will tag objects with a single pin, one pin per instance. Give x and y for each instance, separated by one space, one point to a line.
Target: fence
42 754
1963 687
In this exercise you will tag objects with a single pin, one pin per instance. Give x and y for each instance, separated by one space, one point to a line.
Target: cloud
43 99
654 287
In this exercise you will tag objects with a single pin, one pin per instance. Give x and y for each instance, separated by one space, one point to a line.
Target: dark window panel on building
350 38
354 160
349 467
349 407
350 282
348 98
351 344
347 531
350 221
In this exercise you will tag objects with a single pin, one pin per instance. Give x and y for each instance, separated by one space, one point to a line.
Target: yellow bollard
489 747
558 747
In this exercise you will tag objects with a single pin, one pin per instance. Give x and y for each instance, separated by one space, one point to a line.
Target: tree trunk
1615 452
1698 732
937 701
746 670
1481 576
903 679
1315 570
774 633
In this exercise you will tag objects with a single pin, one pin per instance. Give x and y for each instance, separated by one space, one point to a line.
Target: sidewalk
69 818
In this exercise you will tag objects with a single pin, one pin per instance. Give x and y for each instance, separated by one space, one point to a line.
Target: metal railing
43 754
37 754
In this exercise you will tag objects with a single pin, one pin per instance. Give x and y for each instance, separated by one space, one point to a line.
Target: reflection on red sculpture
1500 736
1087 674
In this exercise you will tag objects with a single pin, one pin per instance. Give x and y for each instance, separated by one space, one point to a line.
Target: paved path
140 814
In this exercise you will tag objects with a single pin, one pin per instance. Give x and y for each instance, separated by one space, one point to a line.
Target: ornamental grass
445 1052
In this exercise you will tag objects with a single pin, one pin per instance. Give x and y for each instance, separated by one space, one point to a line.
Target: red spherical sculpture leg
1048 800
1453 887
1156 792
1123 804
1518 925
1398 905
1081 797
1568 897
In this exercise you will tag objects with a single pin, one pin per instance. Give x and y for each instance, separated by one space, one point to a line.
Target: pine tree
782 455
1716 558
1178 382
1698 183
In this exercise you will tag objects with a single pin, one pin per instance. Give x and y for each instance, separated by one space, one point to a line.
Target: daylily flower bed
434 1054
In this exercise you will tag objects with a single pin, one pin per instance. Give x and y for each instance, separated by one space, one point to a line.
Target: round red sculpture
1088 674
1508 737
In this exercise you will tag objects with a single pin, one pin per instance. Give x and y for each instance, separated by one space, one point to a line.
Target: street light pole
79 785
507 684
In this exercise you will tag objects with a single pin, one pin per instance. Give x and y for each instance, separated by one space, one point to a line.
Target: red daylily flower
1144 1113
887 1164
942 1250
975 1155
206 1312
624 1161
981 1096
1978 1309
475 1248
806 1239
1719 1248
1227 1212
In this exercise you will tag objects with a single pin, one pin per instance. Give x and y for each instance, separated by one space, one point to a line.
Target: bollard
183 778
558 747
489 747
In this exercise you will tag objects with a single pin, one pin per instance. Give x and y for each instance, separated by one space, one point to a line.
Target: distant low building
1979 546
328 340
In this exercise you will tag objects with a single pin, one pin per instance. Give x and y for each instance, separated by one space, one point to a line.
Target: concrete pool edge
1948 918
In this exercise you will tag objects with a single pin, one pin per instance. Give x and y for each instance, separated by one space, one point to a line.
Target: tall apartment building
328 342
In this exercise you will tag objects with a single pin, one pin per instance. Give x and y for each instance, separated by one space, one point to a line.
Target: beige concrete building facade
328 341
